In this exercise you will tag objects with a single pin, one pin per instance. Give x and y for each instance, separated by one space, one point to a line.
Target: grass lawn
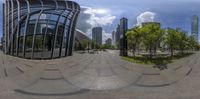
158 60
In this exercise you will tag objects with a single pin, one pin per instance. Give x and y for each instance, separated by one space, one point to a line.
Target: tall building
123 38
113 38
118 36
195 27
109 42
97 35
39 29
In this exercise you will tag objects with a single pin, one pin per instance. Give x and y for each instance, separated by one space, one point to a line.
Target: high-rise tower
97 35
195 27
123 38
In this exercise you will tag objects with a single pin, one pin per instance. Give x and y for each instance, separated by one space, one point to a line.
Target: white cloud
99 17
146 17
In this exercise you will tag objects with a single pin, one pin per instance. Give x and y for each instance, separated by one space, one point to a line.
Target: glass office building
39 29
195 27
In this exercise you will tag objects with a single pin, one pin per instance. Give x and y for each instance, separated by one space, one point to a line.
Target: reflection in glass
43 31
28 46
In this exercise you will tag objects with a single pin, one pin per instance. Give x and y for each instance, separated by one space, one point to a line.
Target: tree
182 40
134 37
172 36
192 43
84 44
152 36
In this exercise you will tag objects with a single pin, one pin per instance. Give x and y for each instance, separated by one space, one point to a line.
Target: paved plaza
102 75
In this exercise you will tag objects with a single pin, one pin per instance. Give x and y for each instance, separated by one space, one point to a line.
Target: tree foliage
151 37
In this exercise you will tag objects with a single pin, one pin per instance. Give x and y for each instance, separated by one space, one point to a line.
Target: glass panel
34 17
28 45
49 3
48 44
62 4
41 28
31 29
68 22
35 9
43 16
14 4
20 50
71 15
54 17
56 52
64 44
60 30
22 30
65 13
51 29
62 19
14 44
52 22
32 21
38 46
23 11
70 5
42 21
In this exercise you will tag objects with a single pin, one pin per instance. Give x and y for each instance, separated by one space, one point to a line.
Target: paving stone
101 76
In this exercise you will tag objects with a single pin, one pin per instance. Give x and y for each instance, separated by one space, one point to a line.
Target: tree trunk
138 48
155 49
150 51
134 50
172 52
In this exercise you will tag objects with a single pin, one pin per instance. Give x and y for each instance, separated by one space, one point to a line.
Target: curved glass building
39 29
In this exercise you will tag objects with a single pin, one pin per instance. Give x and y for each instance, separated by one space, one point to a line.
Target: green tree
152 37
134 37
192 43
172 36
182 40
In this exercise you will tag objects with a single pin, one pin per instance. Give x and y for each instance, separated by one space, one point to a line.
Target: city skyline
169 13
107 14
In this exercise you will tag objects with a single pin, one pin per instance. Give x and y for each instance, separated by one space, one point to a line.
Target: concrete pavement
101 76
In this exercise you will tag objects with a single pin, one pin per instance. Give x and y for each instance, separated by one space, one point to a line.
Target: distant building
109 42
118 36
97 35
123 39
147 23
195 27
82 41
113 38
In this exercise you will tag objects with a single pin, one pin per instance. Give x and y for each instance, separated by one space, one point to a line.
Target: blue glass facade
39 29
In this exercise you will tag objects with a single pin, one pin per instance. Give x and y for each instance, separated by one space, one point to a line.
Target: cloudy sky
107 13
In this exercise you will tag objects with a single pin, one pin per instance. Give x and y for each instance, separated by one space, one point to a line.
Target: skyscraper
118 36
109 42
123 38
97 35
113 38
195 27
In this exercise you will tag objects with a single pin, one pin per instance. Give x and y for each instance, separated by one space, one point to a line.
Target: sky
107 13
